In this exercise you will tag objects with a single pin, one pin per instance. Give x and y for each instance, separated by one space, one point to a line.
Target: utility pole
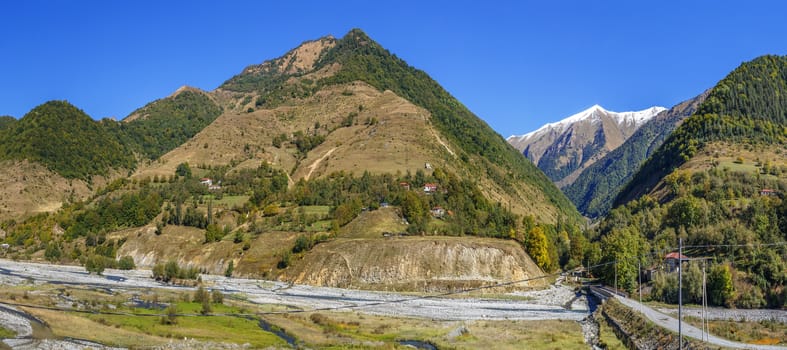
680 293
639 275
705 326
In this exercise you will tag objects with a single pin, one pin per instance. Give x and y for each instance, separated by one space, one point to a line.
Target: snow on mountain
594 115
563 149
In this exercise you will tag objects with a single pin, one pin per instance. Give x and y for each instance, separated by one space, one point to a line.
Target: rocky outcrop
415 264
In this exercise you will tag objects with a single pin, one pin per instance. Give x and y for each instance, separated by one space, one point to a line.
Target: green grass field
6 333
213 328
227 201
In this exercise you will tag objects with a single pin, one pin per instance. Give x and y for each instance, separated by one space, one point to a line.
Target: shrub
172 315
285 260
230 269
94 263
126 263
217 296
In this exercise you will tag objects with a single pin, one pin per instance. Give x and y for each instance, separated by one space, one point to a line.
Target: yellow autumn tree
538 247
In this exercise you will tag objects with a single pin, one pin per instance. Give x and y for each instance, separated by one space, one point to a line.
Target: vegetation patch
192 323
6 333
765 332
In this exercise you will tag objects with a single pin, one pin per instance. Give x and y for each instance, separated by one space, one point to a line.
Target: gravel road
671 323
713 313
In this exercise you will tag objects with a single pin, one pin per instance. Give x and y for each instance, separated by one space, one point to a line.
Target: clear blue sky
516 64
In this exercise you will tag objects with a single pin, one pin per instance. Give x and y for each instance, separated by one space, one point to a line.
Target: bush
95 263
213 233
217 296
171 270
52 252
230 269
201 295
126 263
302 243
172 315
285 260
206 308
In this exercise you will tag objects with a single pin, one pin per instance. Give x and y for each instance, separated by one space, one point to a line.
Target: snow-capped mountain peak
593 113
564 148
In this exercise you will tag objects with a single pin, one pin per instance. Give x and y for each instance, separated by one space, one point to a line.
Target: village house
209 182
430 188
438 212
674 260
768 192
404 185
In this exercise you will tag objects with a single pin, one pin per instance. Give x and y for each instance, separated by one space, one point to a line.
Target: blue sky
516 64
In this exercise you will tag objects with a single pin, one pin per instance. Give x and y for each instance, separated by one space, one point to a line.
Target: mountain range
321 165
284 155
562 150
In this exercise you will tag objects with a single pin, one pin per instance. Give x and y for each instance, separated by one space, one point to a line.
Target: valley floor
546 317
559 302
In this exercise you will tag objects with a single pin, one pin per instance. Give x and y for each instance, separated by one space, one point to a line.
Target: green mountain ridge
719 183
750 104
65 140
166 123
6 121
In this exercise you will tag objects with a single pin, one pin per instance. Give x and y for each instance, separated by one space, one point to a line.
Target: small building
768 192
648 274
438 212
674 260
404 185
384 204
428 166
430 188
206 181
5 246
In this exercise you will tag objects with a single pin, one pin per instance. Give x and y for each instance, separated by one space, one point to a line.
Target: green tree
230 269
94 264
720 287
213 233
126 263
270 210
413 208
171 316
183 169
302 243
171 270
621 251
52 252
206 307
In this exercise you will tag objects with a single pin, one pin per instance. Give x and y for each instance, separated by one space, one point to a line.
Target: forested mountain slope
66 140
719 182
